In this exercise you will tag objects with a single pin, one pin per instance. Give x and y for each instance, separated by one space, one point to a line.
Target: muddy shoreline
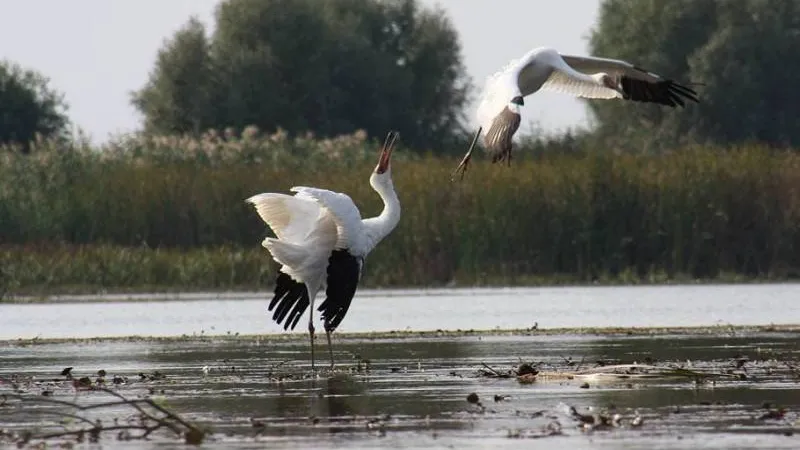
714 330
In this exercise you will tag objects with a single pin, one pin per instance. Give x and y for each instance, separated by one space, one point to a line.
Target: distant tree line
325 66
334 66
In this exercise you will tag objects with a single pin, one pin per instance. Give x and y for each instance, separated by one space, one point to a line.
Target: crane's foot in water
330 347
311 337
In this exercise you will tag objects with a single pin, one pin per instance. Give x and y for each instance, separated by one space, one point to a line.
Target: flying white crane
321 241
580 76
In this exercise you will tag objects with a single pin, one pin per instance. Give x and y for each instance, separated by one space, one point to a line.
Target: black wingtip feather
289 302
344 272
665 92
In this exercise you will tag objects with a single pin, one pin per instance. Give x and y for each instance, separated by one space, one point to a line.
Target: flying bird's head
383 171
515 104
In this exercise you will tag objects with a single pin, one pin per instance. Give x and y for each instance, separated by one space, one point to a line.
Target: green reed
170 212
75 269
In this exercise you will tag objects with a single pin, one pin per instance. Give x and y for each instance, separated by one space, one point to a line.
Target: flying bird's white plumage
498 112
322 241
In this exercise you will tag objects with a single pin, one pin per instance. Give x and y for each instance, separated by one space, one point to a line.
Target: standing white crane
580 76
321 241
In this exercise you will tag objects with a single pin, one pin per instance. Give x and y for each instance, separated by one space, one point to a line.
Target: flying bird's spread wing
638 84
559 81
498 122
498 137
499 90
344 273
345 215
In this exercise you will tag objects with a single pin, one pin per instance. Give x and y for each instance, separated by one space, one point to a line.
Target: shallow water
385 310
255 393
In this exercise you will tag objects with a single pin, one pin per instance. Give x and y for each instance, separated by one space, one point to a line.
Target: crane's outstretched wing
291 218
306 234
559 81
499 90
345 214
498 137
638 84
344 273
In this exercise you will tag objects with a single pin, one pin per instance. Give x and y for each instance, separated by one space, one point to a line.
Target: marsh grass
63 268
153 211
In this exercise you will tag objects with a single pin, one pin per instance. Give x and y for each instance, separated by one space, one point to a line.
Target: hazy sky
97 51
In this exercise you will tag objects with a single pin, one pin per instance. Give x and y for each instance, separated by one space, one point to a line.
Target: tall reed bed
696 212
30 269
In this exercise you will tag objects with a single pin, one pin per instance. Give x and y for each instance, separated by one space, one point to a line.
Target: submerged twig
153 417
492 373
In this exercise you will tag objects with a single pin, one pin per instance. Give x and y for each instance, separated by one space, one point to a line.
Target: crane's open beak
386 152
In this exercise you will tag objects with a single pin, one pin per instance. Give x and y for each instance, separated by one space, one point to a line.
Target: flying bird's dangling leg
311 335
462 166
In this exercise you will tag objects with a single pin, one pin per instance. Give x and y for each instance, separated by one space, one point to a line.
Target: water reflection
343 396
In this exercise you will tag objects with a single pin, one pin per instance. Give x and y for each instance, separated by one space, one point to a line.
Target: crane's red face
386 152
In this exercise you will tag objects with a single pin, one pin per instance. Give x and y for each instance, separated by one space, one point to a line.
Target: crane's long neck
379 227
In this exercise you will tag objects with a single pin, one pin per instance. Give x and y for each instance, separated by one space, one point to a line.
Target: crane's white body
539 68
545 68
314 222
321 240
499 111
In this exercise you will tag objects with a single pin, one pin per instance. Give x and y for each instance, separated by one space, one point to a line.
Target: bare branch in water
153 417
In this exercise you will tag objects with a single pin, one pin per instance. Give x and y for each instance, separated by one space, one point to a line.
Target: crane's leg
311 334
330 345
462 166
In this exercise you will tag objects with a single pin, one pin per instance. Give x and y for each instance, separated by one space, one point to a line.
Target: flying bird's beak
386 152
